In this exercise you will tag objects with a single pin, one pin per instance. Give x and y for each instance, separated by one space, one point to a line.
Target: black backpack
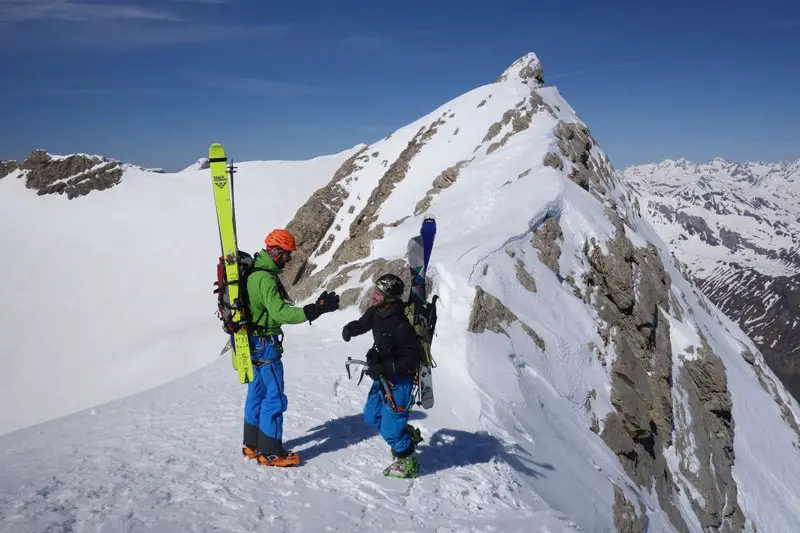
225 309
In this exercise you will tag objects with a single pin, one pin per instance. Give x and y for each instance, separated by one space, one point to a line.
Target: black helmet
390 285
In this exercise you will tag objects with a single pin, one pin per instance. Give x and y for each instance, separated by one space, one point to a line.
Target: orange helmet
282 239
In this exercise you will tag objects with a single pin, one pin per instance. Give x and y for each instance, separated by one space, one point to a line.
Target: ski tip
216 151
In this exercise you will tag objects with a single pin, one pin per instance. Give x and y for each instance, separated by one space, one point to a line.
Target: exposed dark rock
575 143
625 518
489 313
628 286
527 69
545 239
442 181
75 175
553 160
524 278
712 427
537 340
7 167
314 218
396 173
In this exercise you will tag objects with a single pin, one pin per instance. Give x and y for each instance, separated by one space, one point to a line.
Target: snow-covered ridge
582 383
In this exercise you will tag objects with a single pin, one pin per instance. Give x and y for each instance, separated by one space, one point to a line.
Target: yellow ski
227 235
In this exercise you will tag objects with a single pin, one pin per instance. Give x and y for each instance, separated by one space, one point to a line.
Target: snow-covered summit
527 69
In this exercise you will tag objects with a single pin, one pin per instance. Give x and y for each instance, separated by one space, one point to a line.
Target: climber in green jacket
266 401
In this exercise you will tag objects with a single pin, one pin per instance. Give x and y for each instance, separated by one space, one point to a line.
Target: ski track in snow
170 460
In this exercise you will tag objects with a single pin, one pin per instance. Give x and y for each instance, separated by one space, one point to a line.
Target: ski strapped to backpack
419 312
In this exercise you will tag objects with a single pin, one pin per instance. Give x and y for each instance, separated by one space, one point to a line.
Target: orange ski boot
288 459
249 452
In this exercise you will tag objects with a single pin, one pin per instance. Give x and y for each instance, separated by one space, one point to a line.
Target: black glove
346 335
374 371
327 302
372 356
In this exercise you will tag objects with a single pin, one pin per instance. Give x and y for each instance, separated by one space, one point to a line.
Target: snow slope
111 294
516 440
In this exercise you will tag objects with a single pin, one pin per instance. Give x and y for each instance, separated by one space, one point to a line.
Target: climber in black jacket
393 362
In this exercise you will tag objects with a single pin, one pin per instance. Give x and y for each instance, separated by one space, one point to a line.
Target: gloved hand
372 356
346 335
327 302
375 370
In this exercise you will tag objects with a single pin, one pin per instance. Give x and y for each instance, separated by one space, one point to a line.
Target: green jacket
264 291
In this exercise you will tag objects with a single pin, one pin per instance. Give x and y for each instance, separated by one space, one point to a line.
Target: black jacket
396 347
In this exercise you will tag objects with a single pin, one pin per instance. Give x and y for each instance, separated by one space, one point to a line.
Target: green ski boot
414 434
403 468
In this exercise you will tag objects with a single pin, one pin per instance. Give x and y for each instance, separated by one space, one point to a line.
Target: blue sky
154 82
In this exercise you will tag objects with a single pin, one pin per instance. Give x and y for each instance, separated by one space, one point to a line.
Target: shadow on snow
446 448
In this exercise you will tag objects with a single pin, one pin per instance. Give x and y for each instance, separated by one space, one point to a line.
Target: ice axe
385 384
351 361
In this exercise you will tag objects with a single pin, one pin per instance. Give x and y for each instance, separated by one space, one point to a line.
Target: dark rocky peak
73 175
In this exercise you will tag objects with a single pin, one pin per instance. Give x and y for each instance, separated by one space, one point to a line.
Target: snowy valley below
583 384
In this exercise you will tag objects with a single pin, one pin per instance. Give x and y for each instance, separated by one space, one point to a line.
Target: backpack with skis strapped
421 313
231 300
225 310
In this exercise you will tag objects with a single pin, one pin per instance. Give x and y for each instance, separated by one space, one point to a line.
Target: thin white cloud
359 40
263 86
78 11
591 70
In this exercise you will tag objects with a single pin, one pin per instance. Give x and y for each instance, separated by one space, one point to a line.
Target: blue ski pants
379 414
266 401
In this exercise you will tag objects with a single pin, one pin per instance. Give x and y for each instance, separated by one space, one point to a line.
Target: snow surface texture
111 293
508 445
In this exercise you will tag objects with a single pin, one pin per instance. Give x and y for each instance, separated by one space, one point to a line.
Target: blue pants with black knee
391 424
266 401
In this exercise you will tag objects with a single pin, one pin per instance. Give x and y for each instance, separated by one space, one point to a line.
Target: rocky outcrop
526 69
314 218
489 313
625 518
627 287
74 176
524 278
396 173
546 239
519 117
7 167
711 426
444 180
575 143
